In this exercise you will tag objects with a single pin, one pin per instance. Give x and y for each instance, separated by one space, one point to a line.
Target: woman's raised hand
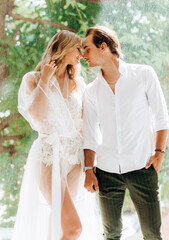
48 70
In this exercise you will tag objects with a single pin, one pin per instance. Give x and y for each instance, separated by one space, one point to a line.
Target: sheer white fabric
59 145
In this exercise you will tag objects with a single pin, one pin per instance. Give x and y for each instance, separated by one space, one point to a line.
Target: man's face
92 54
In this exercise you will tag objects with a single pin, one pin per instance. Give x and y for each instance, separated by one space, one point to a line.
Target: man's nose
84 56
80 55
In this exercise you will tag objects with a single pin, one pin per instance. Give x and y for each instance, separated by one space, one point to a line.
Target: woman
50 99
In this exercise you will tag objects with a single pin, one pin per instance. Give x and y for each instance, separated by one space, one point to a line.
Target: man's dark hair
103 34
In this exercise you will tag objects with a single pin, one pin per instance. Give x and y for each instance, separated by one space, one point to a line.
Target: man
121 108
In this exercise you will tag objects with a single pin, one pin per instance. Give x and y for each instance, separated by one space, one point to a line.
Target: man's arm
158 106
156 101
156 159
91 183
91 140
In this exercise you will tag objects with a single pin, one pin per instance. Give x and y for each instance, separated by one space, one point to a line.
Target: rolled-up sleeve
156 101
91 130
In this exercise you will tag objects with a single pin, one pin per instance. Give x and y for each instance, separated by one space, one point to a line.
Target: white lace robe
60 144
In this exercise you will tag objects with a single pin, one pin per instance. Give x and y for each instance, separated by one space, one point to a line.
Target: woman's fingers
48 62
53 64
50 65
55 67
49 69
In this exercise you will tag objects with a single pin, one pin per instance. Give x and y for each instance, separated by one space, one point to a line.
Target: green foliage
11 173
142 27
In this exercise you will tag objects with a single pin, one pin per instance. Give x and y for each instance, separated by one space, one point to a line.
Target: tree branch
7 138
80 16
4 122
43 22
11 150
4 70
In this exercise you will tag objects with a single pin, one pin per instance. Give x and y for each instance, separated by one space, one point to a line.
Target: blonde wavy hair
60 44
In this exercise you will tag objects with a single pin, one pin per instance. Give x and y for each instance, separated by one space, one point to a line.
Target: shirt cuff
90 145
161 125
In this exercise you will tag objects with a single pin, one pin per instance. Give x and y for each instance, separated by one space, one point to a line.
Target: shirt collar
122 67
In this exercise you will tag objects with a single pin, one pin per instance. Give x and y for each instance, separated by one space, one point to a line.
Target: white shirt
120 127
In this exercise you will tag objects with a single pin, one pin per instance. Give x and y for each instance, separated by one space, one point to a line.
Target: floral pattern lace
70 150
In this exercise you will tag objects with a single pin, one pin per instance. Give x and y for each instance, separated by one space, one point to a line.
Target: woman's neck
60 74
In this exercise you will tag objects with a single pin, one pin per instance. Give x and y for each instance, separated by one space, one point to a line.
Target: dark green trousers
143 189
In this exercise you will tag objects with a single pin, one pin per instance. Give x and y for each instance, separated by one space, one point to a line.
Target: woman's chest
59 105
74 104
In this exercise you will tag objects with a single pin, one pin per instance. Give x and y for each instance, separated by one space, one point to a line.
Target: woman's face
73 57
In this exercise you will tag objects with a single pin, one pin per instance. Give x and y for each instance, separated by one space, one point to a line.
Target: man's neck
110 69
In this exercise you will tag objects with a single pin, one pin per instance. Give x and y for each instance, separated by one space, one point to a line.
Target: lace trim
46 151
70 151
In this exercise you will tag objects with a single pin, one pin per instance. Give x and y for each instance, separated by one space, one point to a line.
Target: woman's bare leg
73 180
71 225
45 188
46 182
